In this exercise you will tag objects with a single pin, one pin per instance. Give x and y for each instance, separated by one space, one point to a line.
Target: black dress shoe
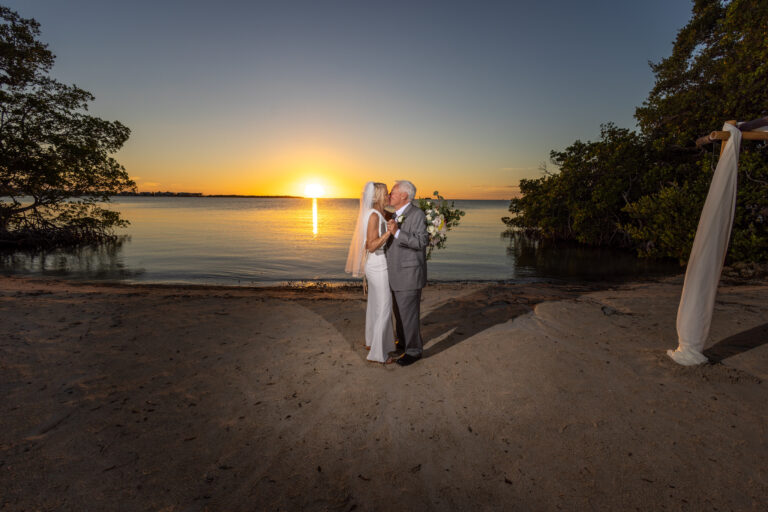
407 359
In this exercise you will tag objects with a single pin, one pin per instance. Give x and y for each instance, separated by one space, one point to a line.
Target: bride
366 255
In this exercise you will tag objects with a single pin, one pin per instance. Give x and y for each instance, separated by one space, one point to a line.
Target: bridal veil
356 256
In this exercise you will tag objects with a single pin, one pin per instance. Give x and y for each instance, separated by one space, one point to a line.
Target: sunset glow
313 190
339 95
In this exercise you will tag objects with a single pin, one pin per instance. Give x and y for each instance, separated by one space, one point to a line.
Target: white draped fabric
694 315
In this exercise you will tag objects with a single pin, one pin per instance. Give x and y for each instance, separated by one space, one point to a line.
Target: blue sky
262 97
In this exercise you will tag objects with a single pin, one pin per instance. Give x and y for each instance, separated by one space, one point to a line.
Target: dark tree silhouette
55 163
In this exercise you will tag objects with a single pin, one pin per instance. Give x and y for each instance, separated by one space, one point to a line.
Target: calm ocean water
254 241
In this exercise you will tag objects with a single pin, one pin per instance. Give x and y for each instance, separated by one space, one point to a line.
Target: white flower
431 229
400 219
429 218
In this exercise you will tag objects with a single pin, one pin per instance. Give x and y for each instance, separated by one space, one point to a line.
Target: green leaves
646 190
664 222
583 201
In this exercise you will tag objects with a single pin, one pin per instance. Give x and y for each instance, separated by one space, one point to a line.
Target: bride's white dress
378 322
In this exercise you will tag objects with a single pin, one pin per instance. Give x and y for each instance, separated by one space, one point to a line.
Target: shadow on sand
463 316
738 343
347 316
471 314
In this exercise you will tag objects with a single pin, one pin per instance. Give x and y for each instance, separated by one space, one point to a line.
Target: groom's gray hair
408 188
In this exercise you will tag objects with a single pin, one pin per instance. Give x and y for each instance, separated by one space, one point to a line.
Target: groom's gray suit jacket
407 254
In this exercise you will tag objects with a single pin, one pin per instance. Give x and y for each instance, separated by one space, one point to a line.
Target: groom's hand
392 226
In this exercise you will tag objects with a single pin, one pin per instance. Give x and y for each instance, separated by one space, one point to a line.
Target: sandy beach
530 397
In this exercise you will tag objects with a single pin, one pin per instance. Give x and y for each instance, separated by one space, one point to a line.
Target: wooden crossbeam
747 132
712 137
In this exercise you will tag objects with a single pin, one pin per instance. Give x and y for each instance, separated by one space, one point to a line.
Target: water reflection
104 261
314 216
533 257
246 241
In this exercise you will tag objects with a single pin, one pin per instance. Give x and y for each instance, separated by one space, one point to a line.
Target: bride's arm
373 241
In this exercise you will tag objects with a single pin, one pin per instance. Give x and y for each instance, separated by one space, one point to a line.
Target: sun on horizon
313 190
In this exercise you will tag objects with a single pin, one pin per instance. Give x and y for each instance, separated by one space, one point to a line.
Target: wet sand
530 397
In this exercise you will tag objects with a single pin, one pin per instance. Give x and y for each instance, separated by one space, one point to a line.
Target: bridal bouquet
441 218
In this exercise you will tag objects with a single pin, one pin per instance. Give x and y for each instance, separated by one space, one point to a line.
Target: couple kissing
388 247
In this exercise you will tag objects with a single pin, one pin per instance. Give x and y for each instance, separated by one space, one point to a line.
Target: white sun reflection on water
314 216
314 191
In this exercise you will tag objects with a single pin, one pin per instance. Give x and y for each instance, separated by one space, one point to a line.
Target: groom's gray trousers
407 269
406 306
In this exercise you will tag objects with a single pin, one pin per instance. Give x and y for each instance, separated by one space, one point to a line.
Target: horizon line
273 196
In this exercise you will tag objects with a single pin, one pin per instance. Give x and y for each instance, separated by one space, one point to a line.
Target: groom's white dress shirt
399 213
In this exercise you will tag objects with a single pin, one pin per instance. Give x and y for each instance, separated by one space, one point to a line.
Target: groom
407 268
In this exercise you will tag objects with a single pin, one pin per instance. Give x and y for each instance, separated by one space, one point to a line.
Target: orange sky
264 97
287 169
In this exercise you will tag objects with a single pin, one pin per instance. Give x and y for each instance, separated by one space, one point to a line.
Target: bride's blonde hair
379 195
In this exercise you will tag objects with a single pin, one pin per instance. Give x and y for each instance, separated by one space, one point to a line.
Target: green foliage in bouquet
441 218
